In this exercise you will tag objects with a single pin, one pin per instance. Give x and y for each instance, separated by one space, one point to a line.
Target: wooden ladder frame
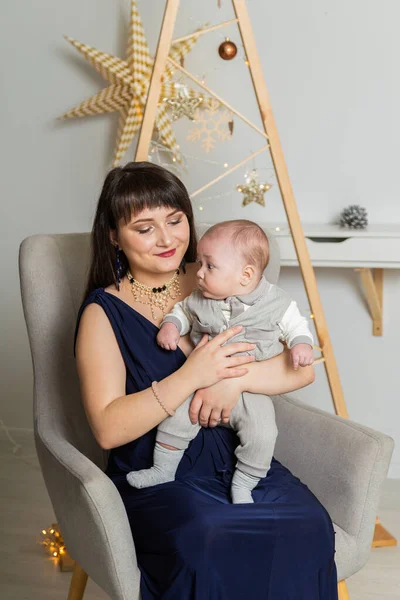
271 134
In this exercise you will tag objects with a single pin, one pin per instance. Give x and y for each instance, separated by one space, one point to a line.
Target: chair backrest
53 271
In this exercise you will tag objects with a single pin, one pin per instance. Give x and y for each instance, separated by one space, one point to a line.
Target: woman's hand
214 404
211 361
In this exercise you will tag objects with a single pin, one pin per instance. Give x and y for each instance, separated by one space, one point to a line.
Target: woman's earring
119 268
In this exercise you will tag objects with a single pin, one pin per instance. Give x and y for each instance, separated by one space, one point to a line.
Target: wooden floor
26 572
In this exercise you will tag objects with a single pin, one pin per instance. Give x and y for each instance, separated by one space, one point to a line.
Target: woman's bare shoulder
92 311
93 322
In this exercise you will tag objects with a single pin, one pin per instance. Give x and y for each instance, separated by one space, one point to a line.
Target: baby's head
232 256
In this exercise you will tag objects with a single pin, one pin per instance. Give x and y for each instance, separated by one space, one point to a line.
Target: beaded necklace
155 297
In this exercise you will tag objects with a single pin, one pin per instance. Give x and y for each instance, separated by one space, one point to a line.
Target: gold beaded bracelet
169 412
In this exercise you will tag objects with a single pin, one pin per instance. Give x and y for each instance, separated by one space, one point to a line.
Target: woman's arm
117 418
273 376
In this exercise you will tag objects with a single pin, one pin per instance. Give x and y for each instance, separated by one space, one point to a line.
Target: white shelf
376 247
331 230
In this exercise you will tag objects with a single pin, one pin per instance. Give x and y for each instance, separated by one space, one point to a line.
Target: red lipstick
167 254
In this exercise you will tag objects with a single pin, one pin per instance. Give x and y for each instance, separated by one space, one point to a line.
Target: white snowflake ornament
211 126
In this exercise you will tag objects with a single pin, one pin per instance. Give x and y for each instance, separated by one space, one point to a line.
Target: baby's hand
168 337
302 355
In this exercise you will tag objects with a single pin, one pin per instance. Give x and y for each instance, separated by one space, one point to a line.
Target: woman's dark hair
127 191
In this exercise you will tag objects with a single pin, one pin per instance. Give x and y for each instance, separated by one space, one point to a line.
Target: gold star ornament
253 190
184 105
129 84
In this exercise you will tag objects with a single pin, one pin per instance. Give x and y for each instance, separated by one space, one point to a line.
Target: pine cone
354 217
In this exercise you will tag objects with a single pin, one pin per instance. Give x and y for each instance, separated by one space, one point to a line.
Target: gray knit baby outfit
262 314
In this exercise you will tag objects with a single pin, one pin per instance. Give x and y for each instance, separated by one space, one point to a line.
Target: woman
191 542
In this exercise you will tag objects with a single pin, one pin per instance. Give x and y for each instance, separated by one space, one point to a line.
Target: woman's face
155 240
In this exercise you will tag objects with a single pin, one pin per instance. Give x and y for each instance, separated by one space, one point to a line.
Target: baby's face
220 267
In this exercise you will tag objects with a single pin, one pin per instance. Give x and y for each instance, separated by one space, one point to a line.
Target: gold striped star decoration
129 83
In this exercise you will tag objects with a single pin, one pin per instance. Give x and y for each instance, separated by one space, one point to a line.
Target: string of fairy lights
53 541
165 157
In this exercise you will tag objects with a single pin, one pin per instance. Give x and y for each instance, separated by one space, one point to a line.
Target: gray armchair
343 463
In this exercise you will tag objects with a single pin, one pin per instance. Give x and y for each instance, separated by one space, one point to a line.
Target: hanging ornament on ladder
227 50
210 126
184 105
253 190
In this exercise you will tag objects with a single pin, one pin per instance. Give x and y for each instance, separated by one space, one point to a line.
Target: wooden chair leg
78 583
343 592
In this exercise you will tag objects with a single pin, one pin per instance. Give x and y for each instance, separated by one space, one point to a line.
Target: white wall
332 74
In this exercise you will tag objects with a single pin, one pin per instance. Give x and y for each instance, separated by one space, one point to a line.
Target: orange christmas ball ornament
227 50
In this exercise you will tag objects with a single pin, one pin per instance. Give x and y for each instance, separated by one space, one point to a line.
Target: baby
232 290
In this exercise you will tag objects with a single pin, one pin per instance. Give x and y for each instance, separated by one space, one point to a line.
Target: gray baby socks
242 484
165 465
164 469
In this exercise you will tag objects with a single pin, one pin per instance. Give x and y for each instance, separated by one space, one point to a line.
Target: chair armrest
91 515
343 463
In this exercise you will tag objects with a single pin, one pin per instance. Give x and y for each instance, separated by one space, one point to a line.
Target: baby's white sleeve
294 327
180 316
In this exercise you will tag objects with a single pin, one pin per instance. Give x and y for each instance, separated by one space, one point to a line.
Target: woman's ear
248 274
113 237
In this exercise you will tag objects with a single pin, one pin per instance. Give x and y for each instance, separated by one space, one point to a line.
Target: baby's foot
148 477
242 484
166 462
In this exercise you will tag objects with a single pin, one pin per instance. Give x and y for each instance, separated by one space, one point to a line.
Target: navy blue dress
191 542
